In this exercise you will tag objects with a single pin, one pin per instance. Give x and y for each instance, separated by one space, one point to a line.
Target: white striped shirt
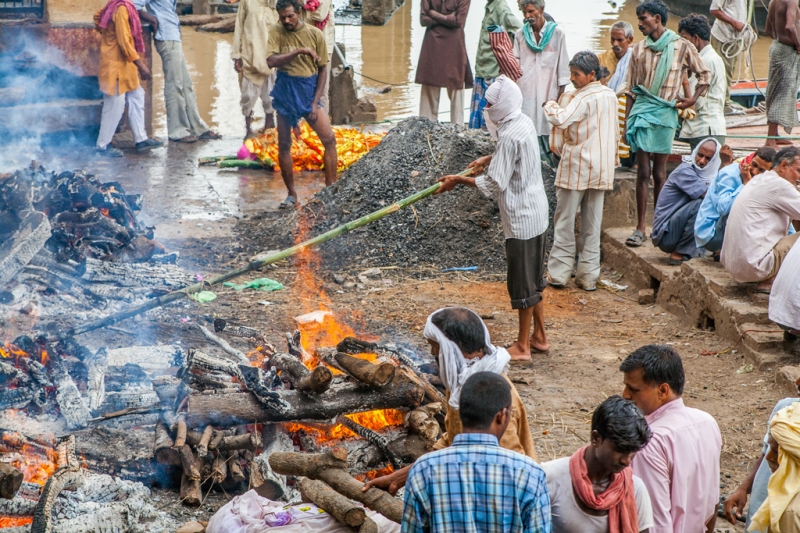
585 134
514 180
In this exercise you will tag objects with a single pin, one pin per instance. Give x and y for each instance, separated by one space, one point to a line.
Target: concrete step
743 311
719 281
761 338
785 379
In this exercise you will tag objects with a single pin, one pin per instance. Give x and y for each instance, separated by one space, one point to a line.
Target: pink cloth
680 468
107 13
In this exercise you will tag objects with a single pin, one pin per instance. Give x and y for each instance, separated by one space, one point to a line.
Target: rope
379 81
747 38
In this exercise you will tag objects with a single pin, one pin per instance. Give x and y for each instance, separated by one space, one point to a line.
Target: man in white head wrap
460 342
512 176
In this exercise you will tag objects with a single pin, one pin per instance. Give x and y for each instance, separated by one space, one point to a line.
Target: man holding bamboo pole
513 177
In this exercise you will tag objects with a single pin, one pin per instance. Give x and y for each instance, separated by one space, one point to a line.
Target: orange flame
35 468
372 474
375 420
14 521
105 211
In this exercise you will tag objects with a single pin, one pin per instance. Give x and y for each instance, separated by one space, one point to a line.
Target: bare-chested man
783 25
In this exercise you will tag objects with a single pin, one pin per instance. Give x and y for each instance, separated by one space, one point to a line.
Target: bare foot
540 347
676 256
784 142
764 286
519 352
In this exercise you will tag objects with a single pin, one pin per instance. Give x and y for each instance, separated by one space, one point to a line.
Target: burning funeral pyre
329 410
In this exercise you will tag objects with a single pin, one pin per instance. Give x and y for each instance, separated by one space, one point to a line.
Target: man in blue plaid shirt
474 485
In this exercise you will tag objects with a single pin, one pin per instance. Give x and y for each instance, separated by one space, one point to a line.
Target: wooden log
23 245
377 376
263 479
180 433
190 463
215 440
10 481
239 356
248 441
331 501
70 401
331 467
191 493
205 439
422 422
316 381
154 276
226 408
235 467
219 468
163 447
369 526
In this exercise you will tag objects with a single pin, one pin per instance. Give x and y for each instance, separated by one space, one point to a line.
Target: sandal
210 135
677 262
636 239
188 139
290 202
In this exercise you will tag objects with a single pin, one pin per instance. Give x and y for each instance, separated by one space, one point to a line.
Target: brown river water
386 53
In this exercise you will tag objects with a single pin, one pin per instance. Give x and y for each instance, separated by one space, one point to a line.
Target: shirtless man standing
783 25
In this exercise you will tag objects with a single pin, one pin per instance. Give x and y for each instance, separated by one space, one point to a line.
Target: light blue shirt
718 202
169 27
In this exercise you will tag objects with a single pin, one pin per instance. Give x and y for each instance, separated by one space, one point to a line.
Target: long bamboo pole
255 265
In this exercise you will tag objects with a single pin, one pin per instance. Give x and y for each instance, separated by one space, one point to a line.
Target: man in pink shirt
680 464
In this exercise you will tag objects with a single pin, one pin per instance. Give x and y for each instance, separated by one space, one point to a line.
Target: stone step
762 337
719 281
744 311
785 378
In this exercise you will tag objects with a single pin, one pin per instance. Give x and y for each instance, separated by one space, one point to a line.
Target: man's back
476 486
680 467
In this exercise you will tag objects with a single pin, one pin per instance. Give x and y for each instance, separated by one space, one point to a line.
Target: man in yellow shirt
121 44
299 52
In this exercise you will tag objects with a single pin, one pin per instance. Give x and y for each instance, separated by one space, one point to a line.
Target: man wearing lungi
783 25
299 52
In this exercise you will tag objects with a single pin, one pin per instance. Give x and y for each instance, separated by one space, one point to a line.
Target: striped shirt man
585 134
476 486
685 59
514 180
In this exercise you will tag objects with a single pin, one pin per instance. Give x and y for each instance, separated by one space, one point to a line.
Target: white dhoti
251 92
114 108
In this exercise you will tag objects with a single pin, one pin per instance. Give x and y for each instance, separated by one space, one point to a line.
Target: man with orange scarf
595 491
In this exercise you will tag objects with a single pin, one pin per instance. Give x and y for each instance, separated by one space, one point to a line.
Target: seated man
596 485
458 335
780 512
676 209
756 482
475 485
755 237
784 305
712 217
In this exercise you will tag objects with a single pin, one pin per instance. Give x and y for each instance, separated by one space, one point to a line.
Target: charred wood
198 362
23 245
69 399
205 439
118 452
219 468
331 467
163 447
191 493
16 398
373 437
375 375
68 475
352 345
189 462
331 501
17 507
422 421
239 356
13 294
154 276
262 477
316 381
228 408
10 481
235 467
245 332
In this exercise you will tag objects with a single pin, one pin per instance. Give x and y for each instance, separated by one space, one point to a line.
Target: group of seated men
744 213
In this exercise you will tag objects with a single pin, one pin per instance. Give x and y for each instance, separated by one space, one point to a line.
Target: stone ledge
785 378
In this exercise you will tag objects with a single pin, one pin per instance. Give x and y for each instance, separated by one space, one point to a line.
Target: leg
659 175
715 244
687 246
326 92
429 102
113 109
525 281
135 100
285 155
456 106
266 102
772 132
520 350
248 102
562 255
589 239
642 182
779 253
195 123
325 133
538 340
173 99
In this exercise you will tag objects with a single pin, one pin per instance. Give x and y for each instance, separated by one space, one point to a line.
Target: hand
726 155
738 26
448 183
308 52
479 165
746 172
736 501
154 24
390 483
312 117
144 72
432 13
237 64
685 103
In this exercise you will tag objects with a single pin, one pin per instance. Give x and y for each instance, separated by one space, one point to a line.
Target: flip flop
210 135
290 202
188 139
636 239
677 262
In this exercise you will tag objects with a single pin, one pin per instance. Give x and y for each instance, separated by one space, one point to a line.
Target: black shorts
525 277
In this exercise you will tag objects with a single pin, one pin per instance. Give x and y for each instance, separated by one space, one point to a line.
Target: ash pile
71 248
460 228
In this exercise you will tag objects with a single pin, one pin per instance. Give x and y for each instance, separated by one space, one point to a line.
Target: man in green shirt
497 13
300 54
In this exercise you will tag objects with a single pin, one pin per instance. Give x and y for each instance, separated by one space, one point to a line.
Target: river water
389 54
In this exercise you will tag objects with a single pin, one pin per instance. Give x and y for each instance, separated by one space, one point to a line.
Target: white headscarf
454 368
711 170
506 103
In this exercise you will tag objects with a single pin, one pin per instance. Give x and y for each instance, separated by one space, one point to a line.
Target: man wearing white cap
512 176
461 344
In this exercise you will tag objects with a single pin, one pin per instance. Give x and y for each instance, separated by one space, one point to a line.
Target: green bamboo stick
241 163
255 265
213 160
